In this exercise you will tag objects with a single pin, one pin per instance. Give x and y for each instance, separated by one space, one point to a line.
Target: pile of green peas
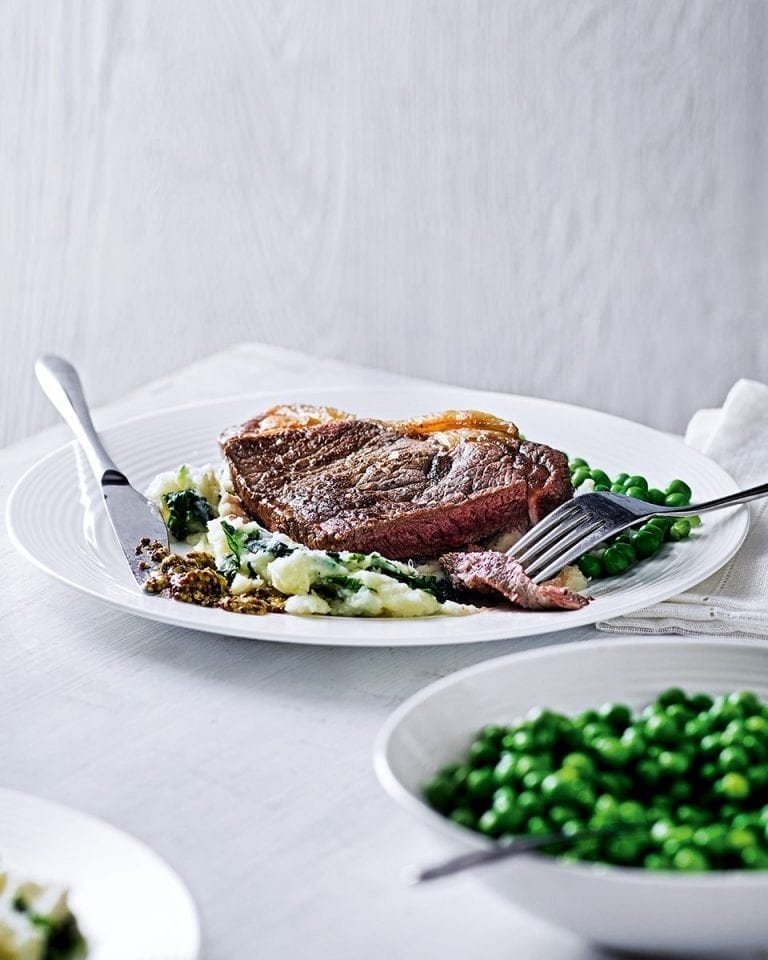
681 786
620 553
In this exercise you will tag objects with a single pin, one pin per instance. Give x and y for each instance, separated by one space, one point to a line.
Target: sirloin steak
369 485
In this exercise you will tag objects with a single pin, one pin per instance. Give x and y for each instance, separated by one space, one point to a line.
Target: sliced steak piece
365 485
487 571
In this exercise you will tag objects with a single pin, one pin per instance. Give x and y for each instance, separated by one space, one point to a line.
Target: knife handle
60 381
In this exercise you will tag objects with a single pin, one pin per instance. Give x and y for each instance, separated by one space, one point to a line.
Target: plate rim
172 614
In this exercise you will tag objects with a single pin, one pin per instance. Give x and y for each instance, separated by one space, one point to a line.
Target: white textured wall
559 198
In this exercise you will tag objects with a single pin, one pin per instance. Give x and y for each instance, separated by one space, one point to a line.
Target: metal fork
580 524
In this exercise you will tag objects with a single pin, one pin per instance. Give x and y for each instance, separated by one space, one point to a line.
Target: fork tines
564 534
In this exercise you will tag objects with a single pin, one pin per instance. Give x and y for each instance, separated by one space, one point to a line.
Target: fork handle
743 496
60 381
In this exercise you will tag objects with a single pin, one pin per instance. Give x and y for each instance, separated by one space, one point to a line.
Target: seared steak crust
365 485
488 571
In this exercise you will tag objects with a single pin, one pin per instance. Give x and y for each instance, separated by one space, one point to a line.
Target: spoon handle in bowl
479 858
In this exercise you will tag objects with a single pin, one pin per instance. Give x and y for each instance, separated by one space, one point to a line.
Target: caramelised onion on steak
409 489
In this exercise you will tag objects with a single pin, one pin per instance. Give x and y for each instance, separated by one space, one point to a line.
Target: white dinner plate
128 902
56 518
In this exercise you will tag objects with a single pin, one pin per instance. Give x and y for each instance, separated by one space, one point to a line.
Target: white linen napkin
735 599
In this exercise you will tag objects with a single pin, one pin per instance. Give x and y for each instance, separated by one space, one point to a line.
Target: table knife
132 516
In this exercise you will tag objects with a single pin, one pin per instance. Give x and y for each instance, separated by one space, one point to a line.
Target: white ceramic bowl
629 909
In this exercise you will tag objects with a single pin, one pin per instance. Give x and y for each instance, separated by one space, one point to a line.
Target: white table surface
246 764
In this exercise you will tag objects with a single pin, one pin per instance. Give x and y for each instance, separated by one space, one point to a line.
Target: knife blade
132 516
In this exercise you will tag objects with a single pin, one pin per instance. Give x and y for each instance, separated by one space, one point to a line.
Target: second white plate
128 902
56 518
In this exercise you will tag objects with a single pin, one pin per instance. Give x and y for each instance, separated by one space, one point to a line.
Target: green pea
483 754
740 839
680 791
504 799
489 823
733 786
671 697
601 477
754 858
680 529
585 717
754 746
521 741
676 500
711 837
679 835
578 462
627 551
481 783
639 493
529 803
579 476
678 486
590 566
637 481
631 813
663 523
614 561
464 817
559 785
745 701
634 741
757 725
612 751
623 849
733 758
690 815
527 762
560 814
690 860
573 826
601 488
616 782
660 728
616 714
656 861
505 771
709 771
440 793
646 541
590 731
673 763
538 827
622 478
694 520
617 488
649 772
534 779
701 701
746 821
695 728
656 496
711 744
661 831
509 821
582 762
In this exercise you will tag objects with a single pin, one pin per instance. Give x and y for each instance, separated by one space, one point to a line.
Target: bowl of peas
647 757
